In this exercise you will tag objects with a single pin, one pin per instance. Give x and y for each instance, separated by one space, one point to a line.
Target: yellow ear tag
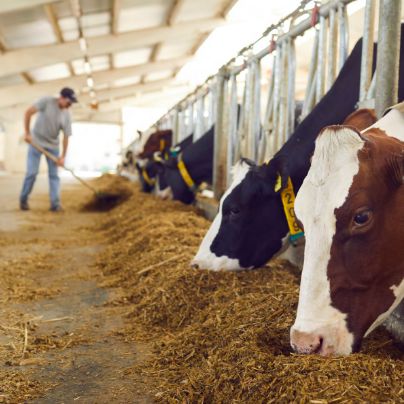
278 184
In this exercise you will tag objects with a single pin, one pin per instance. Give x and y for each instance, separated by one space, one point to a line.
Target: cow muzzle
325 341
305 343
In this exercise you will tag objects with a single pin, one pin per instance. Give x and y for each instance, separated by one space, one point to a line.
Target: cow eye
362 218
234 211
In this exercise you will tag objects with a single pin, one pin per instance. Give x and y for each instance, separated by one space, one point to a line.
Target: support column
219 154
388 55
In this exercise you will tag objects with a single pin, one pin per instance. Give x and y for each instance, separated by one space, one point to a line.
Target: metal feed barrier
257 132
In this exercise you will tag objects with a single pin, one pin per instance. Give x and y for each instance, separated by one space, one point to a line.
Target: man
53 116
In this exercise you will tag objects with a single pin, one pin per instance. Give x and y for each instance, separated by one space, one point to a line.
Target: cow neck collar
288 201
148 180
185 175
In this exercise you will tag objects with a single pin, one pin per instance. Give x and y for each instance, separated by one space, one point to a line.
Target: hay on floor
112 190
224 337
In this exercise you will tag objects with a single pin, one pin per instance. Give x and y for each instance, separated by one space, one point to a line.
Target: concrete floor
48 272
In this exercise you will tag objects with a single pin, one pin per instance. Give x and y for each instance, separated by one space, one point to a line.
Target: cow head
176 187
250 225
352 207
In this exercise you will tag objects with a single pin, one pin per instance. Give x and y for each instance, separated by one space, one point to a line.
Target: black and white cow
198 160
250 227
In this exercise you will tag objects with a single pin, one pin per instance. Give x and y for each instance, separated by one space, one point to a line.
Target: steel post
332 50
255 122
321 59
291 88
219 154
232 141
388 54
343 29
367 48
311 79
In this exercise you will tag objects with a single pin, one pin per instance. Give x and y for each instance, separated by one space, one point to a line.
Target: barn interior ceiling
116 53
111 51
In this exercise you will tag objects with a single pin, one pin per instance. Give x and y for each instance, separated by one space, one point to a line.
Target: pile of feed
224 337
111 191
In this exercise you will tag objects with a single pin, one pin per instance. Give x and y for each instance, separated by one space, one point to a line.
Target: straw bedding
111 191
224 337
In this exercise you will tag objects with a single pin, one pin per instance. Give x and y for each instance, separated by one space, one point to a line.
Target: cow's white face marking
334 164
205 258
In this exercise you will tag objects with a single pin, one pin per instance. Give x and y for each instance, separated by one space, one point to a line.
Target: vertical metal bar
370 94
270 99
277 97
321 59
248 110
191 125
199 119
176 125
367 48
343 29
232 127
291 88
332 50
243 119
212 105
255 121
181 124
283 97
219 155
264 145
206 112
311 79
388 55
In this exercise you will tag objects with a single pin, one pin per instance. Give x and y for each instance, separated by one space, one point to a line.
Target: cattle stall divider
256 132
388 55
259 139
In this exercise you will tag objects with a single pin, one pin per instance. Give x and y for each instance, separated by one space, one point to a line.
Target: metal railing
249 130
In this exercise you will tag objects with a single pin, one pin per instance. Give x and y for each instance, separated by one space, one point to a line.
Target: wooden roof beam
171 18
115 12
21 93
3 48
132 90
175 11
20 60
11 6
223 14
52 18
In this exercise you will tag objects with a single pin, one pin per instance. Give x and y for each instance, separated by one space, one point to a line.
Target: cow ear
279 167
273 176
395 170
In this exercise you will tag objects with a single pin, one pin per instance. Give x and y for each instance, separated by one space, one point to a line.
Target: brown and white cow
157 141
361 118
351 205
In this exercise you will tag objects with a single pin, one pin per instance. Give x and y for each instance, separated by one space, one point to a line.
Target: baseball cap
68 93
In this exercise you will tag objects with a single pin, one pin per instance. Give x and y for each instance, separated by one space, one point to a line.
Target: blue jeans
33 160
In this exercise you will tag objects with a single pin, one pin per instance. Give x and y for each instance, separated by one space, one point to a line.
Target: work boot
57 208
24 205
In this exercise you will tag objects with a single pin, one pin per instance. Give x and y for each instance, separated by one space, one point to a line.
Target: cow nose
305 343
194 265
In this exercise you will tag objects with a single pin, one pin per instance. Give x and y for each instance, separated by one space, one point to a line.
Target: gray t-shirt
49 121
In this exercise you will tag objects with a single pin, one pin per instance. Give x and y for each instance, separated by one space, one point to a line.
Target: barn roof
108 50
